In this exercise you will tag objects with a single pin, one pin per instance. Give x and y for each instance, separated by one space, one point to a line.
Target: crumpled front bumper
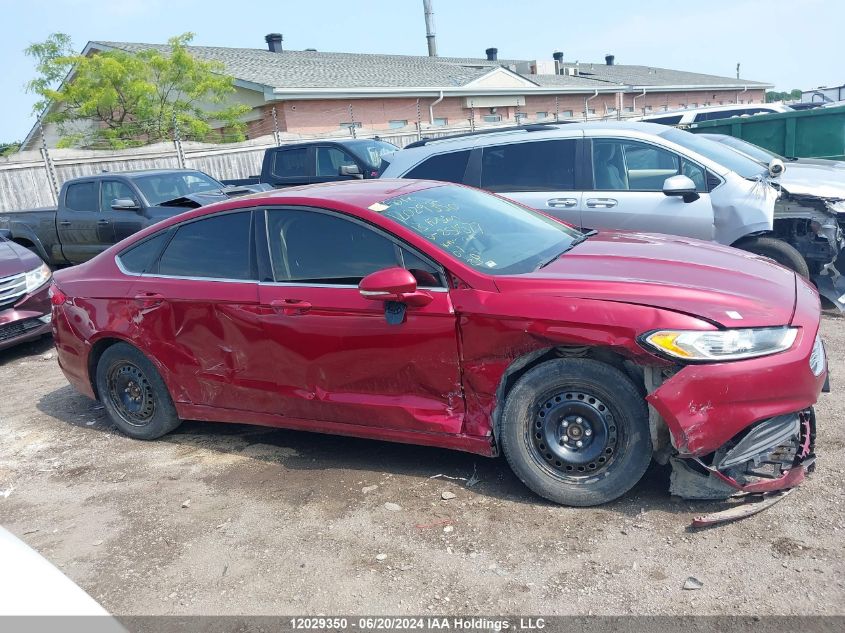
27 320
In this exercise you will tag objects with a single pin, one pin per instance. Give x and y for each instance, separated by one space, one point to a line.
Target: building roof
287 70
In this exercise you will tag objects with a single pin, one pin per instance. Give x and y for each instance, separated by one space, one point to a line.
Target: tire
778 250
134 394
587 396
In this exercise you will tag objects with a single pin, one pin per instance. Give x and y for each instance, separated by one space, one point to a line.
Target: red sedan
436 314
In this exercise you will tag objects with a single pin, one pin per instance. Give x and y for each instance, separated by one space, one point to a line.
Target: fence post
276 133
472 116
557 109
352 121
419 121
177 142
48 165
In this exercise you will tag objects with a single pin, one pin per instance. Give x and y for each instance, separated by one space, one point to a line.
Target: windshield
718 153
482 230
371 151
164 186
749 149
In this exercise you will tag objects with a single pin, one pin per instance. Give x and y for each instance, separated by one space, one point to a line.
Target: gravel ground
230 519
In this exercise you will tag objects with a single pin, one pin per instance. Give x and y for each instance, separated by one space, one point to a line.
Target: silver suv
633 177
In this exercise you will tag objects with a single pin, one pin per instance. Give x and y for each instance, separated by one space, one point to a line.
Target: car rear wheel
134 394
778 250
575 431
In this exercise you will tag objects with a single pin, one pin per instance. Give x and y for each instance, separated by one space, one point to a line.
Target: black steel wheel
576 432
134 394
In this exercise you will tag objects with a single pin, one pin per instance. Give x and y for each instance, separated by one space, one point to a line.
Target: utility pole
429 28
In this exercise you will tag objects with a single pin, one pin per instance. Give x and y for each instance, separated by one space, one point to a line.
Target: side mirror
776 167
393 284
124 204
682 187
350 170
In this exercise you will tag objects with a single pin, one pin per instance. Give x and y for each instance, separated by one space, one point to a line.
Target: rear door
543 175
626 190
290 166
83 231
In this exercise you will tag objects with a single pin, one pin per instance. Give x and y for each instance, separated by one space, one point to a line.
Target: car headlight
719 345
37 278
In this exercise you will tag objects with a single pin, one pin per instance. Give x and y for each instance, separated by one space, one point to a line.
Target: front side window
291 163
370 151
82 196
535 166
111 190
447 167
330 160
165 186
313 247
216 247
718 153
633 166
486 232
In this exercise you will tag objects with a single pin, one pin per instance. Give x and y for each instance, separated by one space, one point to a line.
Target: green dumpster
817 133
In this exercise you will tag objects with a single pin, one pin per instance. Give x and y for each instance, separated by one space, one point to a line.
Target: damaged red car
437 314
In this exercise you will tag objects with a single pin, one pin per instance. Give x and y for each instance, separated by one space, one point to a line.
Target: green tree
792 95
7 149
133 98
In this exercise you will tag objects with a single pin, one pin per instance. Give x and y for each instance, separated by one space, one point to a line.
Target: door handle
64 223
149 299
567 203
290 306
601 203
103 222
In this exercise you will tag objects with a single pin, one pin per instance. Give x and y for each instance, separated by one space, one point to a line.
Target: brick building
314 92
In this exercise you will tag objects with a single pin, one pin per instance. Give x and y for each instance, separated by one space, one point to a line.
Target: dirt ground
230 519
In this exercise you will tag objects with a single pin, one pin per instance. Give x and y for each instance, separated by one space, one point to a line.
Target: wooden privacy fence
32 179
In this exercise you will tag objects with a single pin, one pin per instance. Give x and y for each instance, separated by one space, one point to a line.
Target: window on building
111 190
611 110
566 114
542 116
491 118
441 121
397 123
320 248
591 111
535 166
290 163
648 108
447 167
350 124
82 196
217 247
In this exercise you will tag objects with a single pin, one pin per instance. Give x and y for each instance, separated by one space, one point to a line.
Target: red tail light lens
57 297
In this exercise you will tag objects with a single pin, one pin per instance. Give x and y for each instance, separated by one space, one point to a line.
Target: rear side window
140 258
291 163
666 120
536 166
216 247
447 167
82 196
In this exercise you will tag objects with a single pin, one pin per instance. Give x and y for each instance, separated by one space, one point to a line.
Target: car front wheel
134 394
576 432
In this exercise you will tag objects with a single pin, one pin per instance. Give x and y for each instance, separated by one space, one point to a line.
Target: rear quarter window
141 257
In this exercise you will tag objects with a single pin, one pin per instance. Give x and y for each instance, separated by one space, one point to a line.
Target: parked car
634 177
437 314
95 212
24 304
320 161
712 113
814 187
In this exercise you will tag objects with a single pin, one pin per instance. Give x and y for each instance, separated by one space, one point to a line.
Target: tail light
57 297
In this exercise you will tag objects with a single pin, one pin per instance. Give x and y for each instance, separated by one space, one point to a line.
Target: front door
330 354
627 192
124 222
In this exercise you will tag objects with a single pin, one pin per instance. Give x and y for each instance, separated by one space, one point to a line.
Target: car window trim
396 241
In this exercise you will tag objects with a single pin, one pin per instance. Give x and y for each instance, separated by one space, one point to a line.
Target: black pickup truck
320 161
95 212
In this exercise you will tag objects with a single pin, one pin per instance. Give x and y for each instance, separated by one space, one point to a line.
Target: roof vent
492 54
274 42
557 56
609 59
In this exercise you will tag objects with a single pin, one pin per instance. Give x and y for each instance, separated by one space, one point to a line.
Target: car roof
143 172
717 108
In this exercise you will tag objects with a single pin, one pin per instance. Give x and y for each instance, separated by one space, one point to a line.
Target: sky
788 43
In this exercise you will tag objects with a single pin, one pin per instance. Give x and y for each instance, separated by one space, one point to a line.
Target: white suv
712 113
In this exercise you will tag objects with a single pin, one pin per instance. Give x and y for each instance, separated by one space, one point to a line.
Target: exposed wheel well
24 242
522 364
94 358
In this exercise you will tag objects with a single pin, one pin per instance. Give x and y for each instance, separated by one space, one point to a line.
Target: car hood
202 198
717 283
811 179
15 259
